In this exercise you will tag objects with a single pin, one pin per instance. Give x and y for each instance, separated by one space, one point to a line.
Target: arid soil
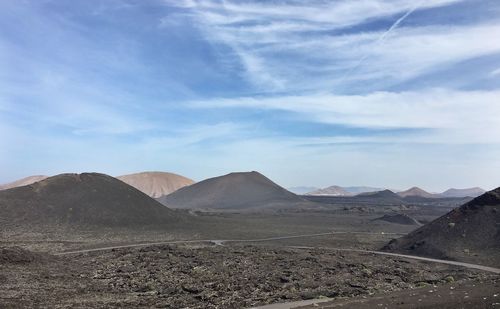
236 275
465 294
210 277
399 218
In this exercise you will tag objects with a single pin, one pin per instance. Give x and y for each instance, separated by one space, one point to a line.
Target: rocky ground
208 276
477 294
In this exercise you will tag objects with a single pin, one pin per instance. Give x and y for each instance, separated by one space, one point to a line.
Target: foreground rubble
214 277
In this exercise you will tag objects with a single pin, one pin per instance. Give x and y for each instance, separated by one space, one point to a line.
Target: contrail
382 37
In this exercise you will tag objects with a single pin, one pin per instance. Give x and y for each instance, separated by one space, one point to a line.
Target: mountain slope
470 232
156 184
416 191
384 196
331 191
23 182
244 190
472 192
82 199
398 218
380 194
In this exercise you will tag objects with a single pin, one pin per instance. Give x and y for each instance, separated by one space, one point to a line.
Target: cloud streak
383 36
453 116
183 85
278 43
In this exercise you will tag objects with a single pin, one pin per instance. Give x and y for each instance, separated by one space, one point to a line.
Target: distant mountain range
23 182
160 184
418 192
331 191
302 189
411 192
343 191
362 189
463 192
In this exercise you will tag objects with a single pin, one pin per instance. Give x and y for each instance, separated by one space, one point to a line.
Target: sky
387 93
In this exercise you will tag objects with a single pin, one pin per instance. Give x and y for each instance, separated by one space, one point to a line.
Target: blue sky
369 92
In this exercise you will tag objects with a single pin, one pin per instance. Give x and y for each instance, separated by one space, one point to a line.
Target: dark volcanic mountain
470 232
82 199
472 192
23 182
379 197
416 191
245 190
380 194
399 219
156 184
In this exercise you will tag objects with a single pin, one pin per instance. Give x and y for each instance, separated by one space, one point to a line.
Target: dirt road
217 241
222 241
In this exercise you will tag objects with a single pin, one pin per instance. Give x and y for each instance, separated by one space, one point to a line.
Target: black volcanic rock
399 219
469 232
244 190
82 199
18 255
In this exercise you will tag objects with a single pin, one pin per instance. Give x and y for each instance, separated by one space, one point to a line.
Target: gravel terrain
203 276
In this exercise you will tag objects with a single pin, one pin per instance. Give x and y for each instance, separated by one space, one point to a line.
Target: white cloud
452 116
335 13
495 72
279 44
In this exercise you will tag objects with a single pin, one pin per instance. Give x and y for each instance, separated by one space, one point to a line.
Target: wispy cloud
495 72
280 44
455 116
182 85
383 36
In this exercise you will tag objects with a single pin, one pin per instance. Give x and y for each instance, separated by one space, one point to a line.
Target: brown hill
470 232
416 191
331 191
82 199
156 184
245 190
23 182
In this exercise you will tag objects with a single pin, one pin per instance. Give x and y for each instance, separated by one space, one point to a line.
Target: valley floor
210 275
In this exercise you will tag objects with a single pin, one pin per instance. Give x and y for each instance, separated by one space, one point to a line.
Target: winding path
216 241
222 241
